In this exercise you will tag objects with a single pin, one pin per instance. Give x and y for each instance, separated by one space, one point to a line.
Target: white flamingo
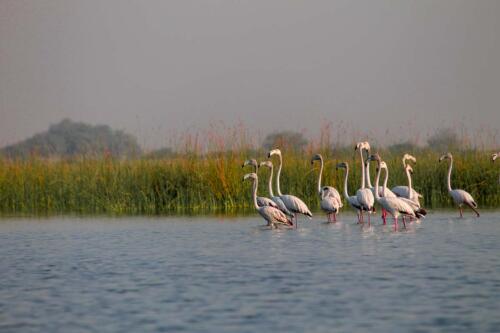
394 206
415 206
388 193
273 216
351 199
404 191
329 196
292 203
364 194
276 199
460 197
261 201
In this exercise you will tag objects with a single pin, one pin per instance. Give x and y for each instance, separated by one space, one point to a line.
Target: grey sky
156 67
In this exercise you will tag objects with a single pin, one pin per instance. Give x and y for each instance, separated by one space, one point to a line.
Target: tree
403 147
286 140
68 138
444 139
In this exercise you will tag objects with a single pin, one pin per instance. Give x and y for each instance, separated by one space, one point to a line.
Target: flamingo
460 197
415 206
261 201
272 215
292 203
394 206
403 191
388 192
329 196
274 198
364 195
493 158
351 199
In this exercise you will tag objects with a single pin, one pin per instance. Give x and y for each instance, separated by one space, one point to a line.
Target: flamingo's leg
461 213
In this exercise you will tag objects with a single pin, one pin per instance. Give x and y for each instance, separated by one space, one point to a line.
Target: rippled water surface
233 275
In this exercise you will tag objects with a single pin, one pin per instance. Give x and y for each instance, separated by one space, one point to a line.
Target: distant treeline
68 138
75 139
213 182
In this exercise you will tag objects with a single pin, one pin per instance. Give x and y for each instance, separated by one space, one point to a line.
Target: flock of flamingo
282 209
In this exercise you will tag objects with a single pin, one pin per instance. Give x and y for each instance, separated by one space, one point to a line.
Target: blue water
183 274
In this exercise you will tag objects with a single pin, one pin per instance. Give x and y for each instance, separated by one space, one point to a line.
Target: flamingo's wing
274 215
413 204
401 191
353 201
365 198
401 206
295 205
330 204
463 197
263 201
281 206
329 191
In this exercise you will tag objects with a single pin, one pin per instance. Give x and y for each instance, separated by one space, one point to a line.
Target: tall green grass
195 182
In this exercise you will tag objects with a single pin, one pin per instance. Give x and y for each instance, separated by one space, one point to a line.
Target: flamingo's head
342 165
408 157
362 145
252 176
375 157
268 164
274 152
316 157
446 156
251 162
495 156
382 165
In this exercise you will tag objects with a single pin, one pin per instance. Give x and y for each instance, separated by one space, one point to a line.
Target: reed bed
192 182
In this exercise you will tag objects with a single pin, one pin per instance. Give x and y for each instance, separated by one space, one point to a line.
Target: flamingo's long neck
385 181
278 176
346 194
410 188
270 184
254 194
368 180
449 174
362 168
319 178
377 182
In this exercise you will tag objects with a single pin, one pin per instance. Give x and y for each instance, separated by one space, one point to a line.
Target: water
233 275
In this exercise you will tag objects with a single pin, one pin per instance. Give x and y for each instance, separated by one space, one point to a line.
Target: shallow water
234 275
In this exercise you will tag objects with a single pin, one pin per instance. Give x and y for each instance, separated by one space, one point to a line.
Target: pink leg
461 213
369 221
404 222
334 217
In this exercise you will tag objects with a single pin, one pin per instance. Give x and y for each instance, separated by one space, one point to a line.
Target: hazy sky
156 67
